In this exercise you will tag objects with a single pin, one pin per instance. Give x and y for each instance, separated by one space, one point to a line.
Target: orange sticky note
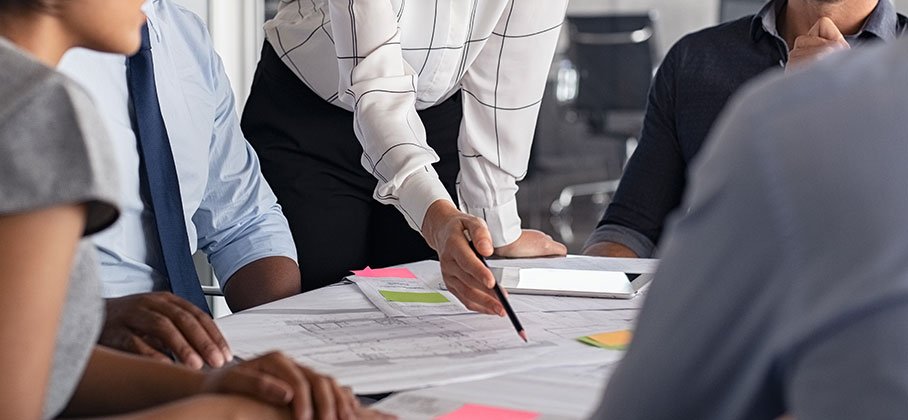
392 272
615 340
484 412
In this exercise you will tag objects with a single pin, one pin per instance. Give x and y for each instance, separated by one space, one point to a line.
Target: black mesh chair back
613 56
730 10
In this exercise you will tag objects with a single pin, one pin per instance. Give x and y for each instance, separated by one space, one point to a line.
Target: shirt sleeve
53 152
380 87
654 180
238 220
855 372
502 89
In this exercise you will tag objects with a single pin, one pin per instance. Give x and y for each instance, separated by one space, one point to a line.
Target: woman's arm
116 383
37 250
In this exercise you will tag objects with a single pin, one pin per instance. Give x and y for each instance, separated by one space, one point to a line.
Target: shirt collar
150 10
882 22
764 22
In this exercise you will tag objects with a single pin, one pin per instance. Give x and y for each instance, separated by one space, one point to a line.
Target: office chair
613 57
730 10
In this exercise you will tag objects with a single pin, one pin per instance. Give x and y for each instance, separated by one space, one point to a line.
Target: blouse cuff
503 222
417 193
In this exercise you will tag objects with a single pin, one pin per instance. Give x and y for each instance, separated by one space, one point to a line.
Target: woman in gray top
55 188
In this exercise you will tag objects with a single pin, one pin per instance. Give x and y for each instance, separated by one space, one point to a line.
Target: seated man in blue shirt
217 200
693 84
793 298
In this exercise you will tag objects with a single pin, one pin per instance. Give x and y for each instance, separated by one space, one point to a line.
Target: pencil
502 298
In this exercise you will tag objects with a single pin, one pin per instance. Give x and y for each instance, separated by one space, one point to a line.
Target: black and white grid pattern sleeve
384 59
502 91
380 87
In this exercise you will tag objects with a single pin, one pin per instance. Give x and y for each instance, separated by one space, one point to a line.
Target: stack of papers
395 330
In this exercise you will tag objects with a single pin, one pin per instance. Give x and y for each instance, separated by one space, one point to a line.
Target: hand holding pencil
501 297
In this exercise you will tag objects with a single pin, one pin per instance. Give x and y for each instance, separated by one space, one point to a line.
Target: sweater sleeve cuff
503 222
636 241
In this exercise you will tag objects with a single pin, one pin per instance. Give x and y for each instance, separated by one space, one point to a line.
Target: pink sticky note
484 412
392 272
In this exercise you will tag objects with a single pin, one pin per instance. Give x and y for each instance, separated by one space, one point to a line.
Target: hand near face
822 39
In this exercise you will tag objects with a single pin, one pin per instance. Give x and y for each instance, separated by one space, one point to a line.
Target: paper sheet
408 297
555 393
376 354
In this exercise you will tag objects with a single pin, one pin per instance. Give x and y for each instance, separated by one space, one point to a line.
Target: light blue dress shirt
230 211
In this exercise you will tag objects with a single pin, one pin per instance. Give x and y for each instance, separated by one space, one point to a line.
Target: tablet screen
574 281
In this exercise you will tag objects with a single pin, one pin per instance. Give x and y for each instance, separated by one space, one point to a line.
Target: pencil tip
523 335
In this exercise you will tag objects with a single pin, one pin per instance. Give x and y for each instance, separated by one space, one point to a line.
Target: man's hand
278 380
823 38
609 249
153 324
464 274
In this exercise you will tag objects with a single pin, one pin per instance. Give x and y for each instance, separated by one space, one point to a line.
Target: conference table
436 359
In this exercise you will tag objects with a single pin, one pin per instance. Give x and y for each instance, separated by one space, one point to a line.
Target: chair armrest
613 38
212 291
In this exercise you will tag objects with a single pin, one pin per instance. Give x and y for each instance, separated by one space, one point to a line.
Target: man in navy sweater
698 76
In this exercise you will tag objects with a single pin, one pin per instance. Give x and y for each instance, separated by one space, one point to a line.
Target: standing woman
55 188
434 99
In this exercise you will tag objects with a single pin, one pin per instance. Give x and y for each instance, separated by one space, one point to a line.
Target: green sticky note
414 297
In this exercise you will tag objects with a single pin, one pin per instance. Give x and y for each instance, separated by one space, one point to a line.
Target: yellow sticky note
614 340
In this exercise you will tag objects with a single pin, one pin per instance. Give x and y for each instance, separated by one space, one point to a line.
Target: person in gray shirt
55 188
794 299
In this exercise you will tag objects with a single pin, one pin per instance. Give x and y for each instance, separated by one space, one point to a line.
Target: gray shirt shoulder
53 151
790 267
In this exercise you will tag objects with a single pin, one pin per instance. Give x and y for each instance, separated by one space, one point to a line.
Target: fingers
482 300
364 413
347 404
208 335
255 384
142 348
480 235
180 327
125 340
826 29
163 328
285 369
325 395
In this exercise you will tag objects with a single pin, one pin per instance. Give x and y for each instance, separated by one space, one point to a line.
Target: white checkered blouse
384 59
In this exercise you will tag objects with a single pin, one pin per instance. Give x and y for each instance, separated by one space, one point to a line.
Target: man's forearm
262 281
609 249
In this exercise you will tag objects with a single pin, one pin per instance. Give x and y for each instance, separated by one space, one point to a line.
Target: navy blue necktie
160 175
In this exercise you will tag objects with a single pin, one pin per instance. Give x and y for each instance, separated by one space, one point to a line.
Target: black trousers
311 158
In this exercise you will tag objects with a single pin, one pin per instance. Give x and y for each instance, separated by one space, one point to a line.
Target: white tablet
561 282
